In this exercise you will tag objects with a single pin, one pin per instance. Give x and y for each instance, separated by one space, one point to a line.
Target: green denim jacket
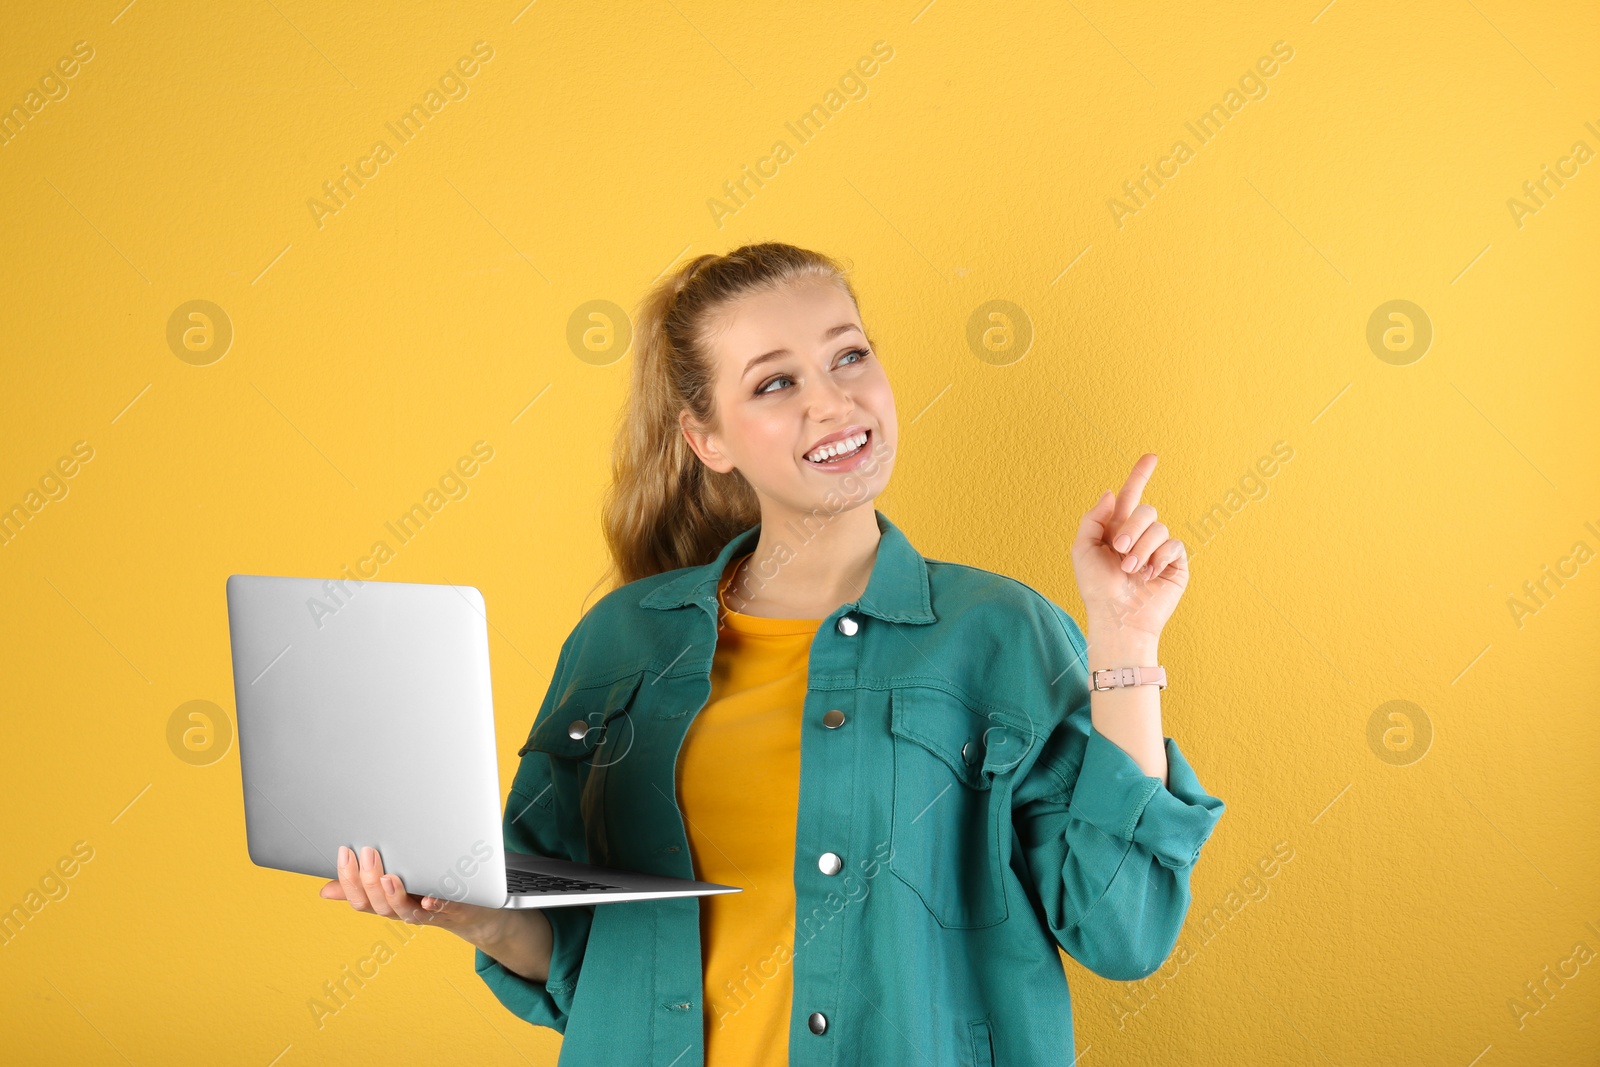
981 820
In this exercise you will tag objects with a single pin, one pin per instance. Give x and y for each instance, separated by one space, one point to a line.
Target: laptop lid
366 718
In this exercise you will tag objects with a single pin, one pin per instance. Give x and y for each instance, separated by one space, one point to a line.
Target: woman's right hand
365 885
521 939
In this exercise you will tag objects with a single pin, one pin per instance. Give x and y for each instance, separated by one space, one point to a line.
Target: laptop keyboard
521 882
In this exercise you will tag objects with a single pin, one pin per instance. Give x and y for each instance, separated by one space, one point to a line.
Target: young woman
902 761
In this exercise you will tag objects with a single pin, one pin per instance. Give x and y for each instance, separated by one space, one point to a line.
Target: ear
703 443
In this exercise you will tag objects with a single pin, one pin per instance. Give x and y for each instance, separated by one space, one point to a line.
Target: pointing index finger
1128 495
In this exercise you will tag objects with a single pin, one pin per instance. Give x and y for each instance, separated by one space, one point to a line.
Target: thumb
1105 509
1092 529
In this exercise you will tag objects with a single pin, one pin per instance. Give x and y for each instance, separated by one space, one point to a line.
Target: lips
848 431
847 461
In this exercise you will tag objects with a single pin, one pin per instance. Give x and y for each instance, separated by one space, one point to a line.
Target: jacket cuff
1114 794
542 1003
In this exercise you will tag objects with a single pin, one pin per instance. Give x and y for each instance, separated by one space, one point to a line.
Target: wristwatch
1116 677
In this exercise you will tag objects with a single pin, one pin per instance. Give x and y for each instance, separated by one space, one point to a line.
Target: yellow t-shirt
738 781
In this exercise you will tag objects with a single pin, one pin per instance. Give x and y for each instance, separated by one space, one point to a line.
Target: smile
839 453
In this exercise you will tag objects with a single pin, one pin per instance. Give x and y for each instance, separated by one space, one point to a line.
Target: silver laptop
366 718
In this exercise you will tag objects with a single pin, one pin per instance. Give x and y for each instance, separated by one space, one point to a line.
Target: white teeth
838 448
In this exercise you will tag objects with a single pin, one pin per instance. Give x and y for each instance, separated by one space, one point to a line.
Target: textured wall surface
1335 265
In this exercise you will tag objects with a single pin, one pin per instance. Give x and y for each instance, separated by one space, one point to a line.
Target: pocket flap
579 724
945 726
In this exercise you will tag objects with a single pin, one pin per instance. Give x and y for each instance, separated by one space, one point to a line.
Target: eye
762 390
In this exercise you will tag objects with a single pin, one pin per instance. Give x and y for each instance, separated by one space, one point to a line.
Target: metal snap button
848 626
577 729
966 752
818 1023
830 863
833 719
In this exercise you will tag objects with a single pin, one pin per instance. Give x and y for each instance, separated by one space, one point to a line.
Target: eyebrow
843 327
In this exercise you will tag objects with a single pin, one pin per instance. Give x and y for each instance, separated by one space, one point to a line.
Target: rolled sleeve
1172 821
541 819
546 1003
1111 850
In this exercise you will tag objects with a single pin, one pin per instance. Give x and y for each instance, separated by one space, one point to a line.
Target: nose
829 401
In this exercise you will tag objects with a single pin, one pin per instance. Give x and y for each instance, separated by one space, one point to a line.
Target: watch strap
1119 677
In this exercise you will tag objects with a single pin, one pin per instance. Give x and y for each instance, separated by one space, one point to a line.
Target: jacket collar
897 590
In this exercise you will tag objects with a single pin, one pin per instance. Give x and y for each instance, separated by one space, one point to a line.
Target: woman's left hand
1130 573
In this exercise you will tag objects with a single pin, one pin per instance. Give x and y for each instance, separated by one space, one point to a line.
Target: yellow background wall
1438 861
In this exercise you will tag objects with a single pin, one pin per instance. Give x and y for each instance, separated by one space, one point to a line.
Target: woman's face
794 371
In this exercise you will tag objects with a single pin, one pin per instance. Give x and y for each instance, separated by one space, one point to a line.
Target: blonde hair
665 508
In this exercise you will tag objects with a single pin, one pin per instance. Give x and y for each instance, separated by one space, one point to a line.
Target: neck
807 564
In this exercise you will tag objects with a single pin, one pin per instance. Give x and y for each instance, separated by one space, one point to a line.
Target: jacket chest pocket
590 723
586 734
953 775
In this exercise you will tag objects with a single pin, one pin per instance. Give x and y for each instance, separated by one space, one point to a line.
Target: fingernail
366 857
1121 544
1129 563
388 883
345 855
